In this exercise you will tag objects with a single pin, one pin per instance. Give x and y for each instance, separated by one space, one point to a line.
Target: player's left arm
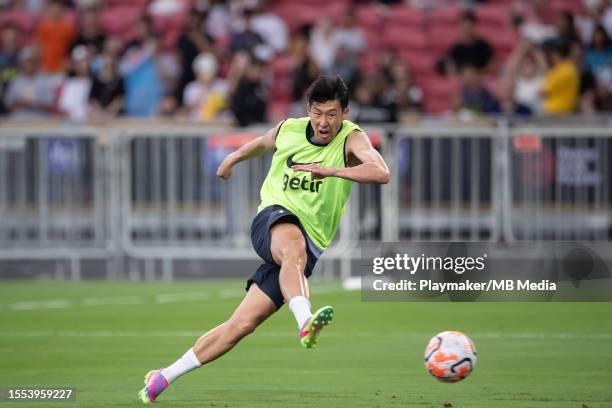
371 168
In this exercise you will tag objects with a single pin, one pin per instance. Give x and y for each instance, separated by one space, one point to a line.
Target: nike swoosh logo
291 163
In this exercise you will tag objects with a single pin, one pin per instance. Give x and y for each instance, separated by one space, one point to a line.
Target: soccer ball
450 356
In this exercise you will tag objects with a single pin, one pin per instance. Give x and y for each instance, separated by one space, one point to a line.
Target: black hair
469 15
326 89
600 29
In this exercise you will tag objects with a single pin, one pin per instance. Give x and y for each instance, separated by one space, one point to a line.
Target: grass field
102 337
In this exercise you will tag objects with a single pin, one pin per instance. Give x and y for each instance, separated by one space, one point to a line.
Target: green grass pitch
102 337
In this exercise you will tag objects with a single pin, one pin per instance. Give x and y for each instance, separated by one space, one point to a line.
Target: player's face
326 119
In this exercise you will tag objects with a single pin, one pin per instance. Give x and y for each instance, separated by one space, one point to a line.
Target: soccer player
317 158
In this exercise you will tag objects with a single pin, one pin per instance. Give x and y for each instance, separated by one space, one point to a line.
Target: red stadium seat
493 15
118 20
404 15
575 6
500 40
404 38
298 14
368 17
445 16
421 62
25 21
441 38
438 94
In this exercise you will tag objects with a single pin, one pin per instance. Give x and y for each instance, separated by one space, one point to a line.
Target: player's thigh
255 307
286 238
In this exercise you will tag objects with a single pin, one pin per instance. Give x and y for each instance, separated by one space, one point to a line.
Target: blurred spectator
566 29
599 57
31 94
388 93
469 51
244 38
305 71
473 95
90 33
191 43
249 98
534 20
219 19
206 97
56 33
74 93
562 80
321 46
270 27
108 90
346 65
143 86
9 48
523 78
349 35
399 87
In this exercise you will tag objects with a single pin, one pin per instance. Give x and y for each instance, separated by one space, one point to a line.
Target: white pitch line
290 334
41 304
181 297
231 293
113 301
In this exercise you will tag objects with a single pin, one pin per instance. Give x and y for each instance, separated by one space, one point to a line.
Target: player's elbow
385 177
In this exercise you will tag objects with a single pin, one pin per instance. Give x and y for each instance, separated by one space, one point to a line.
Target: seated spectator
305 71
206 97
533 20
74 93
599 57
523 78
108 90
192 42
218 19
31 94
245 39
9 49
90 33
561 81
473 95
399 87
143 85
346 65
321 46
470 50
349 35
249 97
56 33
270 27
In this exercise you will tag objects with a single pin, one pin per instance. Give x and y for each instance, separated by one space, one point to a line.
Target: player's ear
345 112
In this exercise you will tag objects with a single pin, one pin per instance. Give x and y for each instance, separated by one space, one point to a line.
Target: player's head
327 106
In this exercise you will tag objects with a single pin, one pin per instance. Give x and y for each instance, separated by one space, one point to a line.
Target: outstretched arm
372 167
254 148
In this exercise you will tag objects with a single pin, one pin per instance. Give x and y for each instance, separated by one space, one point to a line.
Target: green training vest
318 204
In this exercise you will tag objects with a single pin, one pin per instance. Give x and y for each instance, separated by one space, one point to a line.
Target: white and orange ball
450 356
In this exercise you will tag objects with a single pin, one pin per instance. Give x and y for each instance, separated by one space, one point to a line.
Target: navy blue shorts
267 275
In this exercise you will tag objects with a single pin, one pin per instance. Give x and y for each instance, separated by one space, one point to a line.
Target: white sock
189 361
300 306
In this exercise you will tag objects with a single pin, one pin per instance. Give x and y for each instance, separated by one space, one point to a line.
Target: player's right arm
254 148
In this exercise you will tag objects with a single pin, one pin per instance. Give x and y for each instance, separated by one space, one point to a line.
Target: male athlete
302 200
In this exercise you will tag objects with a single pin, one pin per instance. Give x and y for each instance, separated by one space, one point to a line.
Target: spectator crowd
251 61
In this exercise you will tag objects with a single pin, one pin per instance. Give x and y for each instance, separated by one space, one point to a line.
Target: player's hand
317 171
225 169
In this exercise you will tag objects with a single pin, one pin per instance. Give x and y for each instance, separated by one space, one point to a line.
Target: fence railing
150 193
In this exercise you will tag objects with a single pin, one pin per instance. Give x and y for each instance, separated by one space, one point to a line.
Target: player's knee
241 327
294 250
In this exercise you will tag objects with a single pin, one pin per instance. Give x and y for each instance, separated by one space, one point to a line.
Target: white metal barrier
150 193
